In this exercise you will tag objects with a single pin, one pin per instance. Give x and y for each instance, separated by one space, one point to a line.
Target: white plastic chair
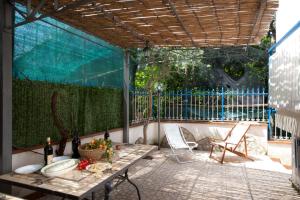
177 141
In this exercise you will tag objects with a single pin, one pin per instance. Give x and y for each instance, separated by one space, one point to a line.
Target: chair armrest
217 140
191 142
230 143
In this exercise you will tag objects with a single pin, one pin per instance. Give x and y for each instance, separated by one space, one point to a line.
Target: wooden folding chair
232 141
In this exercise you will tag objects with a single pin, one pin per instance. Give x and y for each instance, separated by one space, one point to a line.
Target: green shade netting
86 73
59 53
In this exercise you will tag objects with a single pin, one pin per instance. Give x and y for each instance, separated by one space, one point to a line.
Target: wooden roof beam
68 6
174 12
218 20
143 20
198 20
117 21
258 18
158 18
239 20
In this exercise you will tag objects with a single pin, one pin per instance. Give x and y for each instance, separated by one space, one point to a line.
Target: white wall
287 16
284 68
256 136
284 71
200 130
137 132
28 157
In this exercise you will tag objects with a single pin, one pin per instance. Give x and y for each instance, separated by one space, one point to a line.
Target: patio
162 178
87 82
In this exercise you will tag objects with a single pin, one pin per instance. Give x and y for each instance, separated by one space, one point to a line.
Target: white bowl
28 169
59 167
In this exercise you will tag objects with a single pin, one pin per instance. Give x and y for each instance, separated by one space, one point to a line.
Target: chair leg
190 150
245 143
222 159
211 150
174 154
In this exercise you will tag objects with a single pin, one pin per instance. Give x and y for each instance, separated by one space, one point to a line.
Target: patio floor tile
164 179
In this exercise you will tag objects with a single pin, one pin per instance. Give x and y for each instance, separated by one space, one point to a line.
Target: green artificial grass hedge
93 110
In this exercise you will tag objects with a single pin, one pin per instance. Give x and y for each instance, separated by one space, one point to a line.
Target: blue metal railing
209 105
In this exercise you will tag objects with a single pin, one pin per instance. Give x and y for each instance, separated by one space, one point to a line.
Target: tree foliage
147 77
179 68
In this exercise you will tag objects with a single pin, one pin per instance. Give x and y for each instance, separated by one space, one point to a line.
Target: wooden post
6 59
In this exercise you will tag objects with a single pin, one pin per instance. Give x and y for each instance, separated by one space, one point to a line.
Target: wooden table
80 184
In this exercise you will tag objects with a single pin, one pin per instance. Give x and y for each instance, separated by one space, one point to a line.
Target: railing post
212 104
177 102
153 115
258 104
169 101
208 104
242 105
269 124
181 105
237 105
222 108
173 102
252 103
247 119
185 103
191 104
263 104
204 106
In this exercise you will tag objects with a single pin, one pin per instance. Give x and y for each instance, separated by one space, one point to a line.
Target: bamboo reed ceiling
182 23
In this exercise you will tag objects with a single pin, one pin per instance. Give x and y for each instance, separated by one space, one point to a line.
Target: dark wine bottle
48 152
75 144
106 135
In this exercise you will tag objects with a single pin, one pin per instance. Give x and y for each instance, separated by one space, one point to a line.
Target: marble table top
79 184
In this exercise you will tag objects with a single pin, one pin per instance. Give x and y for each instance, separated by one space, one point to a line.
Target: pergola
187 23
132 24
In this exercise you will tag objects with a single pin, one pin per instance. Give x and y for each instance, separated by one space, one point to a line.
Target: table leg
136 187
108 188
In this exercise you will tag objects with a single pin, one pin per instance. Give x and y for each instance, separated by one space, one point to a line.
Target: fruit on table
83 164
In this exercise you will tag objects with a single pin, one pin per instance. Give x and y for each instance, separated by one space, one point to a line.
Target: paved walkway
163 179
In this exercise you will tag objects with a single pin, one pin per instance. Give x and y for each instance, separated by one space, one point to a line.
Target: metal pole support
6 60
270 131
126 97
158 119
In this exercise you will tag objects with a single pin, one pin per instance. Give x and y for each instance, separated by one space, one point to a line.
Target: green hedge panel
90 109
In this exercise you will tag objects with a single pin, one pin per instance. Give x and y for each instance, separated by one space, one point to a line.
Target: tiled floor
163 179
